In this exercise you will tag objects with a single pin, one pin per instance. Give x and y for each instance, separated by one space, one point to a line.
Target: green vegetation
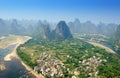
74 58
115 43
92 37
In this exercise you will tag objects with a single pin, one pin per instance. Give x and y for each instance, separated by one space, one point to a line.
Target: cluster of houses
90 65
49 66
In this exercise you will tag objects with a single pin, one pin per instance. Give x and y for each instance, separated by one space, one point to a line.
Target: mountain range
90 28
51 30
117 34
60 32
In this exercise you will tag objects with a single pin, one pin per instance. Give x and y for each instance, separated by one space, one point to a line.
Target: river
104 44
14 68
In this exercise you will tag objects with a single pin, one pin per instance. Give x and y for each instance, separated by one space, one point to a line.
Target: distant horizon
106 11
70 20
55 22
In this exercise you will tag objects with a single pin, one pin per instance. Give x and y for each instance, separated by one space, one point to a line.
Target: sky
107 11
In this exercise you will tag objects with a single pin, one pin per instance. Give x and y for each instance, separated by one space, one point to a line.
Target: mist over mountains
11 27
60 32
117 34
48 31
90 28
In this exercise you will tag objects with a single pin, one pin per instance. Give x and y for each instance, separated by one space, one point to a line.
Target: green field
69 58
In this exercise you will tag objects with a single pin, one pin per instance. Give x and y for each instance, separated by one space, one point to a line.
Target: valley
58 53
69 58
59 39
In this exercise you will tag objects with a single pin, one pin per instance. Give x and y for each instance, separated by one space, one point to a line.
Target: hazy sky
55 10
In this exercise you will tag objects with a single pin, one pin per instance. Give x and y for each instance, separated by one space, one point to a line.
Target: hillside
62 31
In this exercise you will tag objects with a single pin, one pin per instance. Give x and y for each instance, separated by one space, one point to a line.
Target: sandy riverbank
14 55
19 41
102 46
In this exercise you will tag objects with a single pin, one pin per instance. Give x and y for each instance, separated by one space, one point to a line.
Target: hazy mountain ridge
11 27
43 30
90 28
60 32
117 34
32 27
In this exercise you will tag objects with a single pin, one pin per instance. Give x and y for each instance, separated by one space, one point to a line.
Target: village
50 66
